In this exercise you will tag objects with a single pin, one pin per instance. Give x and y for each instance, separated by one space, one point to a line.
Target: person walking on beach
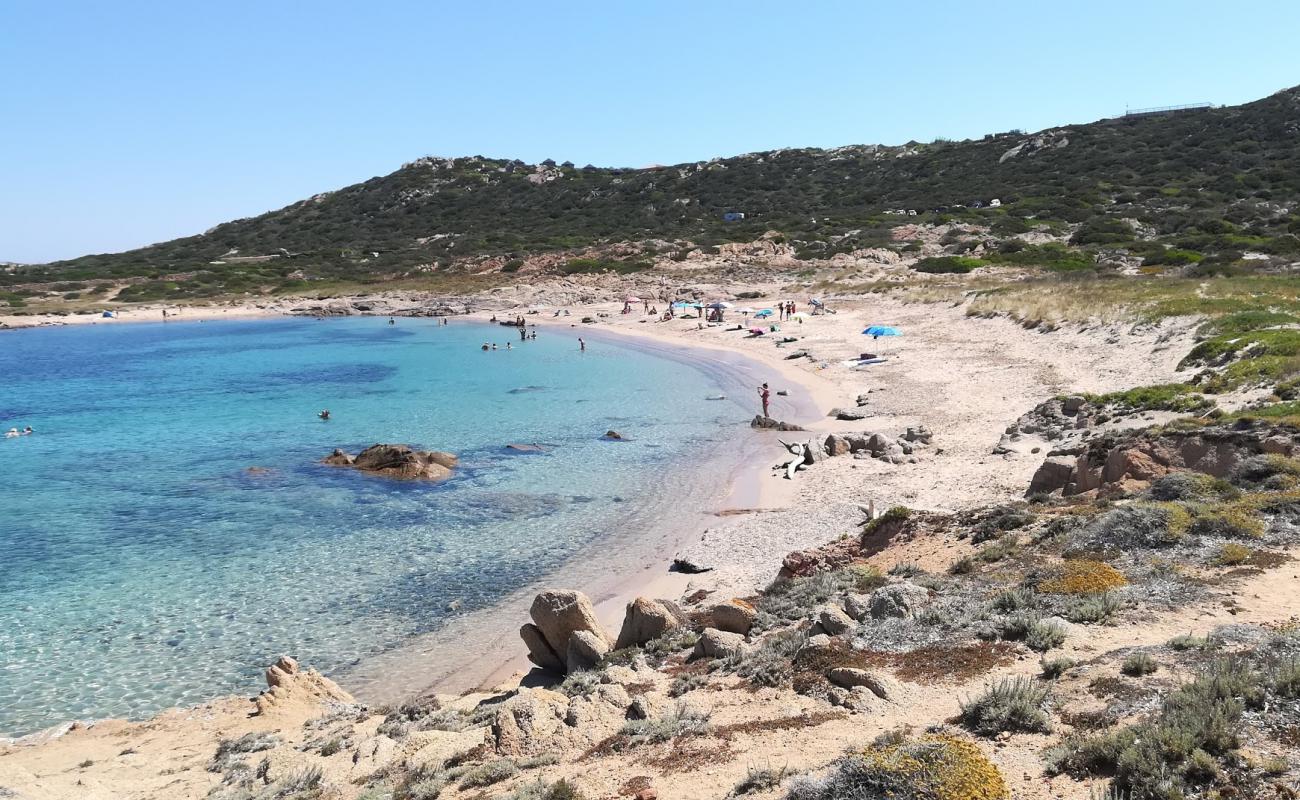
766 395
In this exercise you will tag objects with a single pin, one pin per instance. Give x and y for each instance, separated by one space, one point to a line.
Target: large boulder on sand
646 620
557 615
734 616
397 461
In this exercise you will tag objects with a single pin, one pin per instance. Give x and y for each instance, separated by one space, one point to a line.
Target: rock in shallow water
397 461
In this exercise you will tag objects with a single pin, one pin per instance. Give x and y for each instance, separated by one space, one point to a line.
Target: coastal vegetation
1203 194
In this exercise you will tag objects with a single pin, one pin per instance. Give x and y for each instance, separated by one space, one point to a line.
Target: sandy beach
964 378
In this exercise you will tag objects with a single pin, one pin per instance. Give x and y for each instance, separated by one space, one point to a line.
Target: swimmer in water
324 414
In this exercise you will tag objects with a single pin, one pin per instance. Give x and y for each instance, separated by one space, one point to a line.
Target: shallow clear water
142 565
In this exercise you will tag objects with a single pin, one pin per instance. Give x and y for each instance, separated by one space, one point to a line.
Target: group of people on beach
785 309
646 308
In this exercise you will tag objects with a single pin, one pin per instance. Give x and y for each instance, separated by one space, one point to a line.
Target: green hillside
1204 186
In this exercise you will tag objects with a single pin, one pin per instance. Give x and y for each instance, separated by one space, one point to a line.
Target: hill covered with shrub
1176 189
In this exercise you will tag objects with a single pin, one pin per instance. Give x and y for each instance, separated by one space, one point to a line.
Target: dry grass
941 662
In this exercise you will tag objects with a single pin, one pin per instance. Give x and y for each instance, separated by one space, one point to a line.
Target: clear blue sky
124 123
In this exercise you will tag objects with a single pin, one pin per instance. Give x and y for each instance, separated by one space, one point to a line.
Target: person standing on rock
766 395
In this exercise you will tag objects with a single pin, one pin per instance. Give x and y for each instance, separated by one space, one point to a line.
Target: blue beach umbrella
767 312
882 330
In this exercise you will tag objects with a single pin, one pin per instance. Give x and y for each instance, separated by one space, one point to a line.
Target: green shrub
1043 636
560 790
682 721
1187 641
906 569
1020 599
489 773
1231 554
1285 678
769 664
948 264
1158 758
792 599
760 779
1102 230
1178 397
1011 704
1186 485
1138 664
1095 608
1054 668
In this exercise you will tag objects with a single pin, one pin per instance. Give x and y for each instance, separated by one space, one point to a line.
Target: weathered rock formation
646 620
553 640
1125 463
397 461
288 684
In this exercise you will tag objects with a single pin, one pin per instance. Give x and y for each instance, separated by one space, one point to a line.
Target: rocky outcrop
529 722
898 600
761 422
1122 463
288 684
397 461
558 616
646 620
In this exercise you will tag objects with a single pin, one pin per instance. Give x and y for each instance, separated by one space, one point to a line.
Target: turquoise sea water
142 565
